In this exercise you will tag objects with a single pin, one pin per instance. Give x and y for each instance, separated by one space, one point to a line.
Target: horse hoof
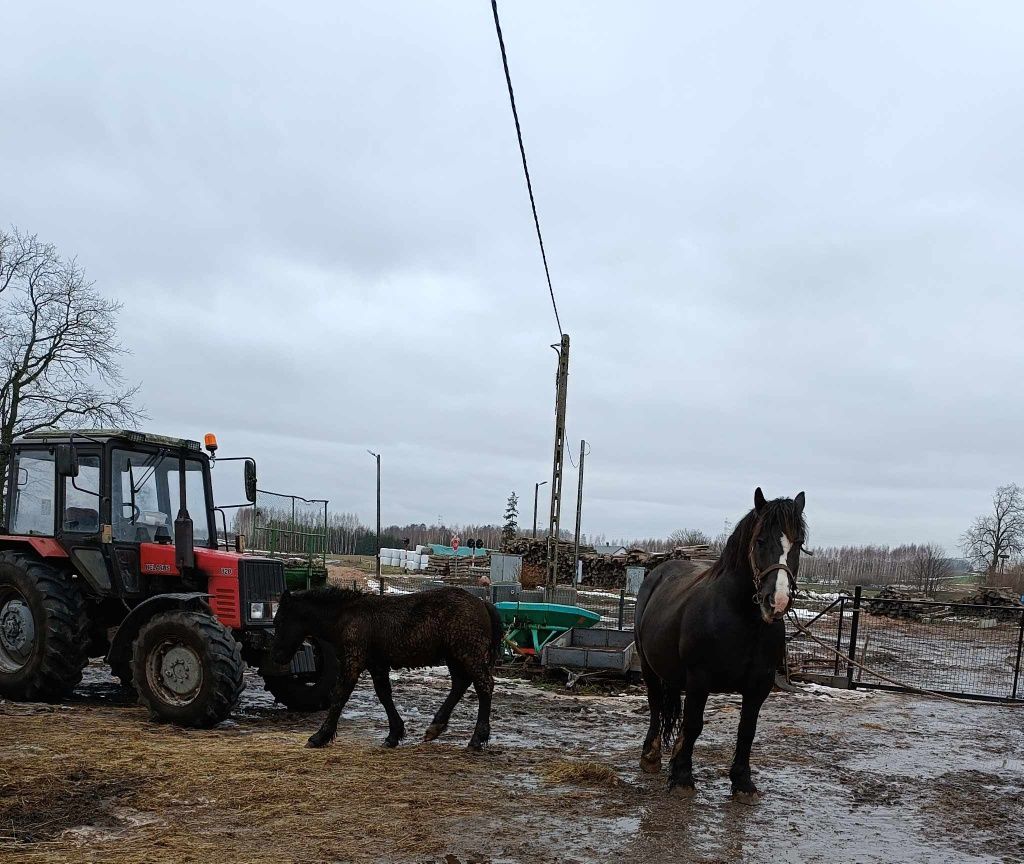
434 730
315 743
390 742
748 798
475 745
650 765
683 792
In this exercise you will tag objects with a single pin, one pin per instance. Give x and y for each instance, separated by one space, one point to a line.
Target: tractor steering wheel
136 512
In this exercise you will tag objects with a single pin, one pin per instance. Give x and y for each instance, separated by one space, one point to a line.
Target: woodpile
995 597
535 559
893 602
609 571
999 603
599 571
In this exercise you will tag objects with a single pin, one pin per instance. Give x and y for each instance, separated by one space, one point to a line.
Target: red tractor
99 556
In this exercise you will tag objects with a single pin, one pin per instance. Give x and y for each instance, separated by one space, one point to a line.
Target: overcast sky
786 241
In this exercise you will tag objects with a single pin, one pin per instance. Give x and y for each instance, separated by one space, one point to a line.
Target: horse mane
779 516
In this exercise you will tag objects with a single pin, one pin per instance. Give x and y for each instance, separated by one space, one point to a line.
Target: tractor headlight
257 610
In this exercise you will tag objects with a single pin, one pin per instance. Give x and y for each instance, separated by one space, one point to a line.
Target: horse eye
760 541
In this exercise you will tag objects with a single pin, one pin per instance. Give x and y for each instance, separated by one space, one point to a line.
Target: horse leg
382 687
460 684
483 683
743 789
680 773
329 728
650 755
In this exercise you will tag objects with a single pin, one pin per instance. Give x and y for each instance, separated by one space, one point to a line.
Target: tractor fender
129 628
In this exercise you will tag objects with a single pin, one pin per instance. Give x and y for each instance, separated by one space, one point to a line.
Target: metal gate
958 649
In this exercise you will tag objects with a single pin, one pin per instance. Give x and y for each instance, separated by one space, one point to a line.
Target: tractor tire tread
66 630
226 667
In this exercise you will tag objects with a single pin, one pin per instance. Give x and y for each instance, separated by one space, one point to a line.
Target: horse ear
799 502
759 501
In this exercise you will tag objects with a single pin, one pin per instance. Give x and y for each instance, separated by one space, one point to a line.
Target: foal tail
497 632
671 712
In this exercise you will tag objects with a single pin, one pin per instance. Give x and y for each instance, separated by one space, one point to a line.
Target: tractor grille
260 580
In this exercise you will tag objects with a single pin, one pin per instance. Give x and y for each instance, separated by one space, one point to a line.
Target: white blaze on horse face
781 599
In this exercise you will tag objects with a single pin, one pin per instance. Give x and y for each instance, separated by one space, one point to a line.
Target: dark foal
447 626
718 630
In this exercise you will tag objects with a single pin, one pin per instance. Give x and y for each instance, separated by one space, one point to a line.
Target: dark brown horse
718 630
447 626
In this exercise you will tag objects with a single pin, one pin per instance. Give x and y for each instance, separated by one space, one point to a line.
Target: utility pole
536 489
579 511
561 391
377 457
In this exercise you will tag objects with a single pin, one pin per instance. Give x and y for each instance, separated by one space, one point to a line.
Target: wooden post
579 510
554 525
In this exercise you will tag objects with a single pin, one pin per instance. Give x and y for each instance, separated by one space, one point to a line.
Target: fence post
381 584
1016 666
622 606
839 633
854 621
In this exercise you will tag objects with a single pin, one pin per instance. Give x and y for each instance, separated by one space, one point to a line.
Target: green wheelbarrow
530 626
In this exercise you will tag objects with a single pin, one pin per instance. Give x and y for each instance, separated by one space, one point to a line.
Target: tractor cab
107 497
109 520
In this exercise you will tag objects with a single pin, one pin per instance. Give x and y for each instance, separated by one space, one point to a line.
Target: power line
526 168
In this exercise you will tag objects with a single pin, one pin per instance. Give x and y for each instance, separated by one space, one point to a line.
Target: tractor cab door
33 492
144 492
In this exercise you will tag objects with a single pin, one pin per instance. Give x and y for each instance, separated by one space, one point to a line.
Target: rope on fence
902 685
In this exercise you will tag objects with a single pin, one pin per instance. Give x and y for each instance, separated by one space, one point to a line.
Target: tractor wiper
149 464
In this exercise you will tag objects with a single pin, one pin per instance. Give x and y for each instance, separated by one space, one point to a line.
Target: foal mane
777 516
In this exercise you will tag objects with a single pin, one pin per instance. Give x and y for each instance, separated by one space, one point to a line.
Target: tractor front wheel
310 691
43 630
187 669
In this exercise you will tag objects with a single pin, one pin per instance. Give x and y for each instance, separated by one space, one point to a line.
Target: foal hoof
390 742
316 742
749 798
650 763
434 730
684 793
475 745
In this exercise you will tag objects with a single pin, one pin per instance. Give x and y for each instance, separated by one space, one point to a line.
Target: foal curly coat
446 626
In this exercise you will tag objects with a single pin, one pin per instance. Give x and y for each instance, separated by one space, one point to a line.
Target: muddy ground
847 776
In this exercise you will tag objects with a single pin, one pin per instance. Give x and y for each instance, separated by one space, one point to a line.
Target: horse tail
497 632
671 712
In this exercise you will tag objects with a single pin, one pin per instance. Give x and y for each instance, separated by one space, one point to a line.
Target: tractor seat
83 519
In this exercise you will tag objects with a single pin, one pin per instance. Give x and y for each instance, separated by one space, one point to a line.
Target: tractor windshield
145 496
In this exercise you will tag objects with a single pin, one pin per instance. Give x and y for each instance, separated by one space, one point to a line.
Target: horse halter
771 568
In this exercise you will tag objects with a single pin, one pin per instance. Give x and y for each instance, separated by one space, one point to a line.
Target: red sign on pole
455 542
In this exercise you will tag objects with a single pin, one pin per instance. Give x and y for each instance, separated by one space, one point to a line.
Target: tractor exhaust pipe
184 541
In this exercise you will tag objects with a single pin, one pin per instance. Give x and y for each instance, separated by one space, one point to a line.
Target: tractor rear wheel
44 630
187 668
310 691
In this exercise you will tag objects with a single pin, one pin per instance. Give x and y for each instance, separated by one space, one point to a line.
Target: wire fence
959 649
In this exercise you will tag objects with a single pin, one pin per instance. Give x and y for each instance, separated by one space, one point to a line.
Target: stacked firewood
609 571
893 602
996 597
600 571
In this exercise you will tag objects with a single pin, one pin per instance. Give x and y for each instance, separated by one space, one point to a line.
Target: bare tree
998 533
688 537
60 361
929 567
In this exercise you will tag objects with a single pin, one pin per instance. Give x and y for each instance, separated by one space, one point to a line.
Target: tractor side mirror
67 460
250 481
